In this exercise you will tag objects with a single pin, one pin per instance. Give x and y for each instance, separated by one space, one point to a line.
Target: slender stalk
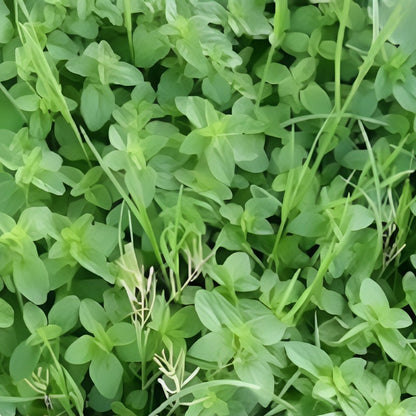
128 26
330 125
307 117
136 207
44 72
263 78
65 400
13 101
280 20
299 307
338 53
373 163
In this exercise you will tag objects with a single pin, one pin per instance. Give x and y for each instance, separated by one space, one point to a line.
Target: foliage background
207 207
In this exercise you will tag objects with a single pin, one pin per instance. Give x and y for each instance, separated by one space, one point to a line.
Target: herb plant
207 207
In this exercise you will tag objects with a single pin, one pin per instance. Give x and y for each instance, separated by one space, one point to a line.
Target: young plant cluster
207 208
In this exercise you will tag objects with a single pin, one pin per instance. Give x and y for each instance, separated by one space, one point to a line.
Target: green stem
263 78
303 301
10 399
19 300
283 403
280 20
128 26
13 101
43 70
65 401
287 293
307 117
279 408
136 207
151 381
331 124
338 53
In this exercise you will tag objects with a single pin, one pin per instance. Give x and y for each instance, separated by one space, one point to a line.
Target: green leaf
184 323
137 399
121 333
217 89
246 147
6 314
190 50
48 332
94 261
406 96
125 74
308 224
405 31
239 269
290 156
10 117
173 84
34 317
259 373
200 112
160 314
149 47
309 358
396 346
327 49
82 350
119 409
364 102
102 365
92 316
332 302
49 182
264 325
275 74
28 102
395 318
315 99
31 278
324 389
214 347
409 287
8 70
24 361
12 196
295 43
372 295
247 16
355 159
61 46
232 212
6 29
352 369
142 184
360 217
383 86
262 207
231 237
304 69
100 196
97 104
220 159
37 222
64 313
214 311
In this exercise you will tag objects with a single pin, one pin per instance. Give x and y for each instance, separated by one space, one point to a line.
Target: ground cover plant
207 207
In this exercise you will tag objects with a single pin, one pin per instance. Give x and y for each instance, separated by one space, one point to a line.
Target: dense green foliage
206 207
